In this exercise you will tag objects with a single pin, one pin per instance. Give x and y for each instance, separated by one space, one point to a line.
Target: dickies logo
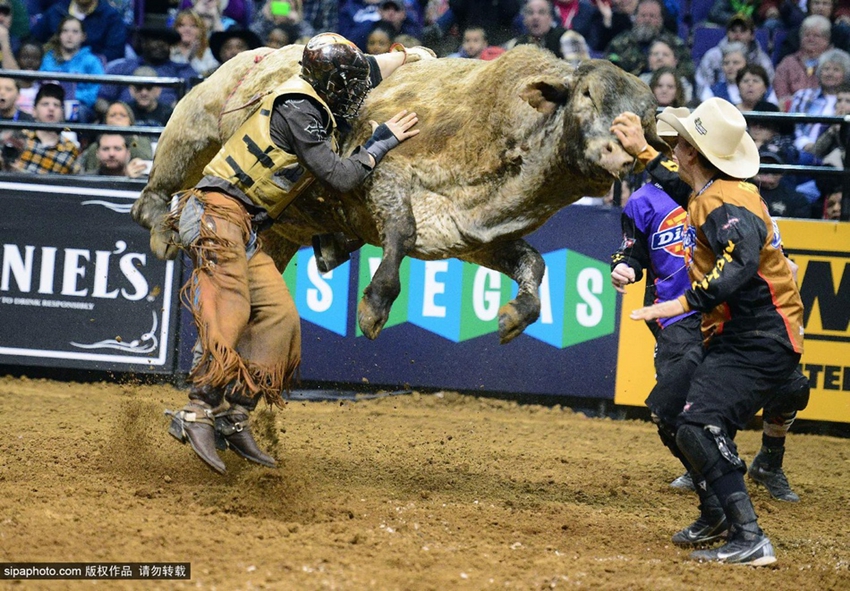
669 233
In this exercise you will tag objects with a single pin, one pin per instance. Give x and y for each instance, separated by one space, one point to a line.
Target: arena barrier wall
822 250
443 330
79 287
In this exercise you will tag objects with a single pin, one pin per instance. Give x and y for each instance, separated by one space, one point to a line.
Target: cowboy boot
195 425
232 427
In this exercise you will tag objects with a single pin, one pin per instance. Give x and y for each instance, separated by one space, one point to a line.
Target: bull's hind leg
397 239
521 262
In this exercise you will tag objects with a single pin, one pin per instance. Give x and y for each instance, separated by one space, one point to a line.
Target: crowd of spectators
771 56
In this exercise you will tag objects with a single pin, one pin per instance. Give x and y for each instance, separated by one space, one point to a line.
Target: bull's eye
587 93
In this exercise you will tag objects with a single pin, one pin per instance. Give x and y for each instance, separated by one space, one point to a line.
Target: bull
504 144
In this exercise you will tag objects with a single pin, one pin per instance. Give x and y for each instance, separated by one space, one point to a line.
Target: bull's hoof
514 318
371 321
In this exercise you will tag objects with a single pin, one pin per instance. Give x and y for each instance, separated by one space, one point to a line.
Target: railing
181 85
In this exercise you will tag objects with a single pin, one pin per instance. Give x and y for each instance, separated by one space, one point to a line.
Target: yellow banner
822 250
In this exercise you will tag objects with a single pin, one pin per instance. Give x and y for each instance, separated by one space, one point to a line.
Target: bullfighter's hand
621 276
628 129
400 125
661 310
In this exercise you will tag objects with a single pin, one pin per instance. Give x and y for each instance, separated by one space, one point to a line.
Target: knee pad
790 398
710 451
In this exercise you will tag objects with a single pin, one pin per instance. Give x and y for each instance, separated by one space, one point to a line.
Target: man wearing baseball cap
752 314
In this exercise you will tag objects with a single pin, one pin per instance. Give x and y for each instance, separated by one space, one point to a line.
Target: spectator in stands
781 199
65 53
739 29
193 48
832 71
667 87
29 57
357 17
840 33
281 13
797 71
496 17
9 110
474 42
583 17
830 146
46 151
734 60
113 158
155 48
660 55
753 87
232 42
537 21
394 13
147 109
280 36
106 33
233 11
9 43
630 50
380 39
832 204
210 11
119 114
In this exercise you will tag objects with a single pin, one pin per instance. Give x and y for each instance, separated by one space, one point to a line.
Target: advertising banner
79 287
822 251
443 329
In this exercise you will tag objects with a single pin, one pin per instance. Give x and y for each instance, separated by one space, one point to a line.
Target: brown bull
503 146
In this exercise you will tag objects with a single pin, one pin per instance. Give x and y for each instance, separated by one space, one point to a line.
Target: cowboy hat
665 129
718 130
218 39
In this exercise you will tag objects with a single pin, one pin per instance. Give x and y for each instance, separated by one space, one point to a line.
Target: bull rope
254 99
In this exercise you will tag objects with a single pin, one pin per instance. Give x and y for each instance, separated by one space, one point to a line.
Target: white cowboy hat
663 128
718 130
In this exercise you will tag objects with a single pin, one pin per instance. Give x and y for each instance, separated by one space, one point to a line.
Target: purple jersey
652 240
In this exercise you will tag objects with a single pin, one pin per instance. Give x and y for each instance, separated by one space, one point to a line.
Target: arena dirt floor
420 492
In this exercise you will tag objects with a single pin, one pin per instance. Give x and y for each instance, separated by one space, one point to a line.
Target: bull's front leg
521 262
397 239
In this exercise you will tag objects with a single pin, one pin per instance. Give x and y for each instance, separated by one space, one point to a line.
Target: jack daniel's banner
79 287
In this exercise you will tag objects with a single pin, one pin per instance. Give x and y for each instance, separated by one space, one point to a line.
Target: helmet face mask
338 72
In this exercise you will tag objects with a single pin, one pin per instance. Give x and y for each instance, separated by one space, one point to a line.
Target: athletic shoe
758 552
766 470
702 532
683 482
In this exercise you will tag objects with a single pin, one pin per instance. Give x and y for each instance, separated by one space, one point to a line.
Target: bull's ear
546 95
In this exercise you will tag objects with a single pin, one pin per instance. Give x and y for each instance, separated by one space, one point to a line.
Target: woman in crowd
734 59
667 87
660 55
65 53
193 47
832 71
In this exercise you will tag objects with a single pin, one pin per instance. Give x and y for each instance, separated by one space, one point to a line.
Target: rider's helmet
338 72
